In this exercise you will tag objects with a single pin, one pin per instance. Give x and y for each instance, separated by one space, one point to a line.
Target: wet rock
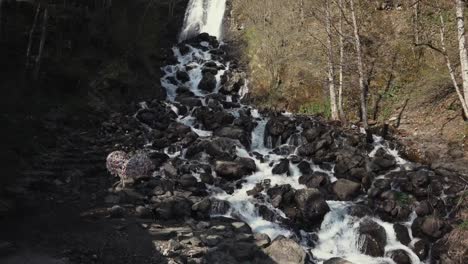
402 234
281 195
382 161
399 256
346 189
314 180
282 167
208 82
221 148
285 251
182 76
373 238
419 178
261 240
241 227
235 170
313 133
312 206
360 211
337 261
304 168
234 132
421 249
189 101
346 160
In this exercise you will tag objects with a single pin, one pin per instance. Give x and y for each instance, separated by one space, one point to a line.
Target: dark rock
314 180
143 212
187 180
182 76
373 238
208 82
382 161
282 167
172 208
360 211
337 261
117 211
304 168
312 206
402 234
234 132
399 256
421 249
346 189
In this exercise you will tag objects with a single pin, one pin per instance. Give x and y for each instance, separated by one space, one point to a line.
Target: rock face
287 251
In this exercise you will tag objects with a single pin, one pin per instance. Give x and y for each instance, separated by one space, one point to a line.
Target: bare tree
360 65
331 66
31 35
460 9
341 63
41 44
449 66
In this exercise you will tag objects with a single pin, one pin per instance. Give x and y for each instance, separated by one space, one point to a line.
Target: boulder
235 170
282 167
399 256
402 234
182 76
421 249
285 251
312 206
346 189
430 227
372 238
314 180
208 82
172 208
382 161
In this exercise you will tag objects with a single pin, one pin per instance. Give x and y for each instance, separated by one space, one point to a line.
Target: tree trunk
360 65
462 47
449 66
340 66
331 66
41 45
31 35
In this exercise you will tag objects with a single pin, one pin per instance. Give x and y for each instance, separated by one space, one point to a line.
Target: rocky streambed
227 183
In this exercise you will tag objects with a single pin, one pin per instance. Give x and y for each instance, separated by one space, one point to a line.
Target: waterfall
203 16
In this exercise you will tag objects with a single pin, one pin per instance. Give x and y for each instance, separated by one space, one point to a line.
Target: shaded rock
285 251
117 211
143 212
182 76
282 167
172 208
314 180
346 189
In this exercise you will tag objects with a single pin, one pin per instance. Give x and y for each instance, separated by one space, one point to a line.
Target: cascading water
203 16
338 235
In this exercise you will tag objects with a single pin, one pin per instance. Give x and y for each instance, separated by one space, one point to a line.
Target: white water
203 16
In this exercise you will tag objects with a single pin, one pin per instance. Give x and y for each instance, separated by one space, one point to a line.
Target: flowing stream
338 235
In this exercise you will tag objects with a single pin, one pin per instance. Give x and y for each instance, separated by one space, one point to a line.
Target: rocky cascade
240 185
